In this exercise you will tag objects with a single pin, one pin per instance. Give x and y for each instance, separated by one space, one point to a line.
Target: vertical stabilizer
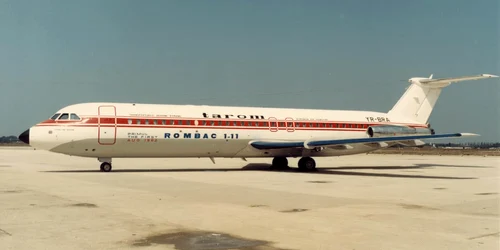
421 96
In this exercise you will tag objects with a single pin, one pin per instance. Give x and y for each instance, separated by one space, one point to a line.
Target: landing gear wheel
106 167
307 164
279 163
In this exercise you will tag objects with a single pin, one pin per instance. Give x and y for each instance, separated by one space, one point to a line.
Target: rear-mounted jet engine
397 130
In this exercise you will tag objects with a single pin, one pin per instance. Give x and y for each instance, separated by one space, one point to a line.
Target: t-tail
419 100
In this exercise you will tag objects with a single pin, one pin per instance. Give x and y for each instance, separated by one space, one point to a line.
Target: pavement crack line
483 235
5 232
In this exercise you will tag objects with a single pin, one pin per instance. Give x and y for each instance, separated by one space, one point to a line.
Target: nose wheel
105 164
106 167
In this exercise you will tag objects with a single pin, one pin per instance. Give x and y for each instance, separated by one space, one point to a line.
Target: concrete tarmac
52 201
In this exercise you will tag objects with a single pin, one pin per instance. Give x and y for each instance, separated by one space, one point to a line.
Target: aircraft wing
310 144
456 79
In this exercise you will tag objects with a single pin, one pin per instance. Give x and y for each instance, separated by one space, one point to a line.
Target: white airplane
120 130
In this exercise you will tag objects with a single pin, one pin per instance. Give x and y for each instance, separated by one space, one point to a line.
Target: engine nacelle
397 130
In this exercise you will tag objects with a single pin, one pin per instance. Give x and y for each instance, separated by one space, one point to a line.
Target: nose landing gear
106 164
106 167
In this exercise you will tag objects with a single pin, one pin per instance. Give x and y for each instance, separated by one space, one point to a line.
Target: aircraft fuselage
146 130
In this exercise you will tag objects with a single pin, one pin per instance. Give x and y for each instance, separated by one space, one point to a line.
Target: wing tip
468 134
489 75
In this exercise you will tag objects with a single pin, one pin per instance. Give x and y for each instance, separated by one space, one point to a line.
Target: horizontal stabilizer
262 145
455 79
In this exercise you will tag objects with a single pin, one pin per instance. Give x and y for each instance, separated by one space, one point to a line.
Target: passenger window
64 116
129 121
74 117
55 116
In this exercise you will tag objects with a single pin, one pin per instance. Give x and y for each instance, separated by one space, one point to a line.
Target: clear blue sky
300 54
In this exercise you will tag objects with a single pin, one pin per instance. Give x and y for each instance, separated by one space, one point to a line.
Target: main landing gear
306 164
279 163
106 164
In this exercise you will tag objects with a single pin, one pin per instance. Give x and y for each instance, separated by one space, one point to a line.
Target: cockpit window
55 116
64 116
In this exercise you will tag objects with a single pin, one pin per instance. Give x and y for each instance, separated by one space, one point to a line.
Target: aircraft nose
25 136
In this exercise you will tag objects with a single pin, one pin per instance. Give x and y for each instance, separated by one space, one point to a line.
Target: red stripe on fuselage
195 127
230 124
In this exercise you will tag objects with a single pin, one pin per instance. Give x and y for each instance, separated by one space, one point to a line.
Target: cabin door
273 124
106 127
290 124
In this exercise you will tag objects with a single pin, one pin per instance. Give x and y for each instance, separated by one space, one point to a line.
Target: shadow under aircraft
325 171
